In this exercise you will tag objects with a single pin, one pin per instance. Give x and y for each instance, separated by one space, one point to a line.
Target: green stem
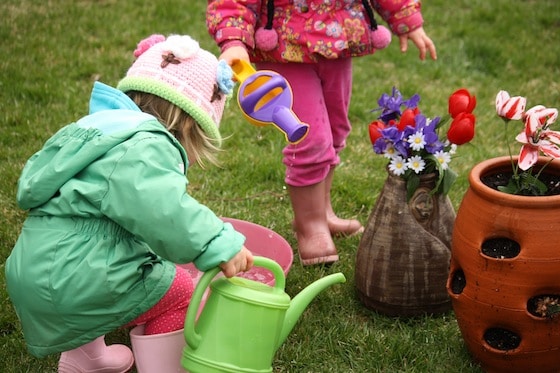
513 165
543 167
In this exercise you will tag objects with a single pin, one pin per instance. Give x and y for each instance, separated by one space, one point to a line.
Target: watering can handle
191 336
242 70
249 101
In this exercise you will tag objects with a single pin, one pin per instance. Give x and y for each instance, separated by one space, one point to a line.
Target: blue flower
390 106
224 77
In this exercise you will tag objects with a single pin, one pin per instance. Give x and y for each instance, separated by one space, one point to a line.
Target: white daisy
390 151
397 165
417 141
443 158
416 163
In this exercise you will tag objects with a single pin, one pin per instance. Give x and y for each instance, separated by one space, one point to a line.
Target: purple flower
428 128
397 138
380 145
390 106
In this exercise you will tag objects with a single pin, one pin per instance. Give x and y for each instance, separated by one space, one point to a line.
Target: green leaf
524 184
445 179
449 177
412 183
533 185
510 188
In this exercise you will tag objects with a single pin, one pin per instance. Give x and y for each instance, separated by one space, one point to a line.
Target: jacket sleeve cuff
231 34
406 19
222 249
231 43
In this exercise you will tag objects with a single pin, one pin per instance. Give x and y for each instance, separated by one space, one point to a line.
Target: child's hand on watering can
241 262
233 53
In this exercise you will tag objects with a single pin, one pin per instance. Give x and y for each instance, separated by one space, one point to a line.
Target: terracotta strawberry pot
504 278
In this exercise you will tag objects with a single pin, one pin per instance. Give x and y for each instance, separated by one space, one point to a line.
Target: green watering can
243 322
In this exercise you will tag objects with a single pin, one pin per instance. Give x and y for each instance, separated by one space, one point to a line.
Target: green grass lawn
52 51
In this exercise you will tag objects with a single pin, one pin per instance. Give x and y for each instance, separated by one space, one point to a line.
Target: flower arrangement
536 137
411 141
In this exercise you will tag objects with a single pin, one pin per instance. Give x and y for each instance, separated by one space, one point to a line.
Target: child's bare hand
242 262
422 42
233 53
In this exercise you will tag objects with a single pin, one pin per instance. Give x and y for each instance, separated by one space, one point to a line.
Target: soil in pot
500 247
458 282
501 179
544 305
502 339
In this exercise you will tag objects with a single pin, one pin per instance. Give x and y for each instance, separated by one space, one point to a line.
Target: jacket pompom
266 39
381 37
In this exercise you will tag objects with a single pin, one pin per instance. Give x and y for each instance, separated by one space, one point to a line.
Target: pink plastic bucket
260 241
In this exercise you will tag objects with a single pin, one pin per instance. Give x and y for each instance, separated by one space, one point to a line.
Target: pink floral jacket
308 29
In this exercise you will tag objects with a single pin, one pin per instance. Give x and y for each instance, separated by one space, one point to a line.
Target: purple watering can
265 97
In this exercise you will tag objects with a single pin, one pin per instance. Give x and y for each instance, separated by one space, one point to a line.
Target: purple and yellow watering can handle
265 97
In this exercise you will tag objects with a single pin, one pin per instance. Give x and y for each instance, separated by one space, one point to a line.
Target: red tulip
461 101
407 118
374 130
461 129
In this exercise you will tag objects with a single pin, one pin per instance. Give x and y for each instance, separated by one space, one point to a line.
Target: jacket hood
113 118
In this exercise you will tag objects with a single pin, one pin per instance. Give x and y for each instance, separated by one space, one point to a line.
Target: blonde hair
200 147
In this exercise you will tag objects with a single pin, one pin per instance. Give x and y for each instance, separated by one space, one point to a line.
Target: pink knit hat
179 71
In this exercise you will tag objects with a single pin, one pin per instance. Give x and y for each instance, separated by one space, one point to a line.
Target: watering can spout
300 302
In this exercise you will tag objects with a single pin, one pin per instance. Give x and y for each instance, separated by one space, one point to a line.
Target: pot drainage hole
502 339
458 281
500 248
544 305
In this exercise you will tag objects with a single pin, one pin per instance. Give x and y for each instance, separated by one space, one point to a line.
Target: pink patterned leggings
321 98
169 313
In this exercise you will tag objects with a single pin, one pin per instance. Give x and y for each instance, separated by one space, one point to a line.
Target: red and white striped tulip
510 108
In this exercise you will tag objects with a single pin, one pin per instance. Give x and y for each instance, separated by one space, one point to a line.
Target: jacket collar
104 97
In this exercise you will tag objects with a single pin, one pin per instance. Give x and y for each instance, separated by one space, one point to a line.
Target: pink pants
321 94
169 313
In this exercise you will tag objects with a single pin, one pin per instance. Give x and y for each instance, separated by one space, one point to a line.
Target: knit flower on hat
225 77
147 43
177 48
181 46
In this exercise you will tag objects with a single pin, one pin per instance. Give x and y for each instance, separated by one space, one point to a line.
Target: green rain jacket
109 215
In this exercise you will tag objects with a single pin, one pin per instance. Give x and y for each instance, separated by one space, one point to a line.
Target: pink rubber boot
96 357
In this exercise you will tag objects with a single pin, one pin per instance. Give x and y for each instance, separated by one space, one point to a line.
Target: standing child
311 43
109 211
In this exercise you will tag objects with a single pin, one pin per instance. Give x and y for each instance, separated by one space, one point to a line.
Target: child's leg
337 88
169 313
322 95
308 163
315 244
166 316
159 344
